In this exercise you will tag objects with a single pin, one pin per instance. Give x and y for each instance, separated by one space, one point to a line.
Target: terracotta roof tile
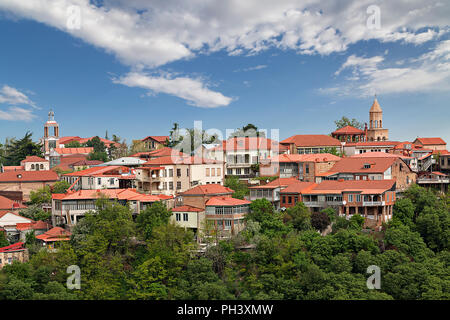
28 176
348 130
357 165
226 201
33 159
208 189
312 140
186 208
431 141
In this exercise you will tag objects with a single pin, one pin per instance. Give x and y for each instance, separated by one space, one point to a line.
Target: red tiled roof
208 189
33 159
376 155
348 130
441 152
319 157
98 171
162 152
34 225
120 194
186 208
9 204
65 140
298 187
160 139
312 140
13 247
431 141
250 143
356 165
363 186
283 182
64 151
28 176
13 168
87 163
226 201
55 234
372 143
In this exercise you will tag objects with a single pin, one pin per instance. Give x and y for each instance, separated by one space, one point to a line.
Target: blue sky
240 73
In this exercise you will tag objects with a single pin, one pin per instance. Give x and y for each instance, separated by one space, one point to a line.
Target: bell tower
376 132
51 134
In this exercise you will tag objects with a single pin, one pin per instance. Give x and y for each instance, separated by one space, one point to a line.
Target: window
32 166
99 180
207 172
284 199
227 224
350 198
178 216
246 170
187 172
238 171
229 171
219 173
178 185
358 198
170 185
295 199
185 217
213 172
170 173
178 172
111 181
289 199
306 168
42 166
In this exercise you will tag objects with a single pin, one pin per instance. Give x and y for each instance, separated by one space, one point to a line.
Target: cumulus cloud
16 114
150 34
192 90
430 72
13 96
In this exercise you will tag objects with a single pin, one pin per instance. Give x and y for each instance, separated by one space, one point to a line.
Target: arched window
42 166
381 125
371 124
379 139
32 166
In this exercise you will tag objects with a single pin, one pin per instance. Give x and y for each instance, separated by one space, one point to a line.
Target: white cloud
258 67
150 34
13 96
428 73
192 90
17 114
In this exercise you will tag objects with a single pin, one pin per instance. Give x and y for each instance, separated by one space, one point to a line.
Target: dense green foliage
14 151
285 257
240 188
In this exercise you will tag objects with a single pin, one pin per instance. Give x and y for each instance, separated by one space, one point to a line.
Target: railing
429 180
373 203
322 203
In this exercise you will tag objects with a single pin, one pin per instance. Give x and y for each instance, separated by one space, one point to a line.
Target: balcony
321 204
373 203
432 181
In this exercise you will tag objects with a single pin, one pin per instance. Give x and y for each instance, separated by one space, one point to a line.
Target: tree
99 152
155 215
17 150
35 212
320 220
73 144
40 196
60 187
404 211
3 240
188 141
298 216
344 121
240 189
250 130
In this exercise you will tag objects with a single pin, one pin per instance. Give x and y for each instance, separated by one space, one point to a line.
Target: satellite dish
344 202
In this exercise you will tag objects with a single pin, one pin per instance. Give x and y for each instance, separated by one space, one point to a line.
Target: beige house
14 252
172 175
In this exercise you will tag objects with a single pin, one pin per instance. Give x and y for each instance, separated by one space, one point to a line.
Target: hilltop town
216 192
